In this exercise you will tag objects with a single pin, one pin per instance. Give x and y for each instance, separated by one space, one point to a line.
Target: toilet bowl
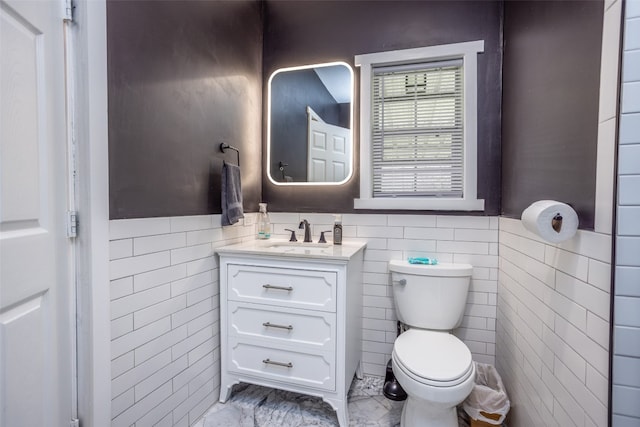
433 366
436 371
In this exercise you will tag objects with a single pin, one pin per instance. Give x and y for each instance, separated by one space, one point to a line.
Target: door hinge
67 11
74 423
72 223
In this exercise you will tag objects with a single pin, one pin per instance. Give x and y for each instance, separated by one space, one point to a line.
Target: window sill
434 204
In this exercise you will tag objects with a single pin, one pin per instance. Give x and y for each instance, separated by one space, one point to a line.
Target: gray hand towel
231 194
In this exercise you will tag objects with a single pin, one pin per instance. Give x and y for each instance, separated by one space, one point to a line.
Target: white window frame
468 52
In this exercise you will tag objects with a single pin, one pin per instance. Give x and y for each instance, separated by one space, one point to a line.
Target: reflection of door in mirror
328 151
300 150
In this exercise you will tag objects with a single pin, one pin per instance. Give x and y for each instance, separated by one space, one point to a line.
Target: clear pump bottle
264 224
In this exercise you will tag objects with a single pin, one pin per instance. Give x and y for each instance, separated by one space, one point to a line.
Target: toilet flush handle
401 282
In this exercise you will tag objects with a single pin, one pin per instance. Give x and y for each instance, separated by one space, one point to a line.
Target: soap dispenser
264 224
337 230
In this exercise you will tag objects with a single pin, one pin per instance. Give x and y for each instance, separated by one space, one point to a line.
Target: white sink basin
284 248
302 248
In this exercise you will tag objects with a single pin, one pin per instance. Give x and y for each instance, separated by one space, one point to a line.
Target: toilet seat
433 358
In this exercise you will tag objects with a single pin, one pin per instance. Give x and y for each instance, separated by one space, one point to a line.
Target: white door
329 150
36 314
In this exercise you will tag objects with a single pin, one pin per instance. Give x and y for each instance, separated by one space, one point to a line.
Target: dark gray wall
291 93
550 104
183 77
308 32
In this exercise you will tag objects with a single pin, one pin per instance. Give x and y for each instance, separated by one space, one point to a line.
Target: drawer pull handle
273 325
278 288
271 362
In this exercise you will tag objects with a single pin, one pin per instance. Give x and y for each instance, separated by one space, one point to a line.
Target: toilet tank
430 296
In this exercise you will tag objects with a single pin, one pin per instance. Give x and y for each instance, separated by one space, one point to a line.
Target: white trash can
488 404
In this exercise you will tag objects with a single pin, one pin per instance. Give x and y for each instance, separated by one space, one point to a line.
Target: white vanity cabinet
291 320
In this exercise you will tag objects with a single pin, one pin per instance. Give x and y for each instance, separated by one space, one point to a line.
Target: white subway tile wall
553 326
626 328
607 118
165 288
165 337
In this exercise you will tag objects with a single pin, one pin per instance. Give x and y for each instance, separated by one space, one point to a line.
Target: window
418 128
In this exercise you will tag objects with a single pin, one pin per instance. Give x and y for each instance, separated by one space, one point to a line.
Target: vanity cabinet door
305 289
315 330
285 365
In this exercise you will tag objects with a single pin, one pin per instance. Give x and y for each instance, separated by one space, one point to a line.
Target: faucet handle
293 235
322 239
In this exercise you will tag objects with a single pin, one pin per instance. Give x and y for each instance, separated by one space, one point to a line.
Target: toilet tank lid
438 270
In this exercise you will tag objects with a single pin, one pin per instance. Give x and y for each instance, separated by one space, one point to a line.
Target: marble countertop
284 248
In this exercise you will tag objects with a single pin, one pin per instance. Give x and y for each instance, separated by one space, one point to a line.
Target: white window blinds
417 135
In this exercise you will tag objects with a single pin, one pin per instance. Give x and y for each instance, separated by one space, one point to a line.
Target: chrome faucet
307 230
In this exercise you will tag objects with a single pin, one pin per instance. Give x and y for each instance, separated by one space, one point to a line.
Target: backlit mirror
309 130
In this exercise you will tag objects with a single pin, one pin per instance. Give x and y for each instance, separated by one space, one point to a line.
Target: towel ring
224 146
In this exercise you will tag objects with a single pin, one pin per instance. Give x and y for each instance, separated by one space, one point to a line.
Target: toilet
433 366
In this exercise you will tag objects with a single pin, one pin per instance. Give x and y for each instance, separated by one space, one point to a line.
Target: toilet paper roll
551 220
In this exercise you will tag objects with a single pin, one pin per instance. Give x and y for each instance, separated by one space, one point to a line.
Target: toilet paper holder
556 223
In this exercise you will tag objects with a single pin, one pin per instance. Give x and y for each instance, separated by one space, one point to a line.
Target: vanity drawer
306 289
313 329
315 370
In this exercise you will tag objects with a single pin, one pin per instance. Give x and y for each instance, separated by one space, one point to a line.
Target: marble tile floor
256 406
